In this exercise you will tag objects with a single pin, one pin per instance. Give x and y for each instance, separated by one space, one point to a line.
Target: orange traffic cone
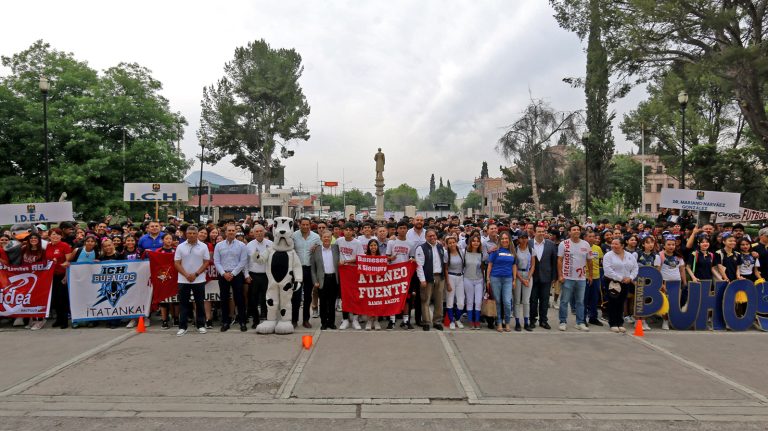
140 328
306 341
639 328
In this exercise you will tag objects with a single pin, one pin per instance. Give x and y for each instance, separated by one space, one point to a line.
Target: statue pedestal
380 198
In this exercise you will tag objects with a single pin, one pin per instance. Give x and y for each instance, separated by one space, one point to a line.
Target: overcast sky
433 83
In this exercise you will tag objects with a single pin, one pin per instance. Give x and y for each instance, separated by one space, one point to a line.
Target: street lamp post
44 87
682 98
200 184
585 141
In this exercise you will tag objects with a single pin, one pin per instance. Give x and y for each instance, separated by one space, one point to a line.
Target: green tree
525 144
473 201
626 179
432 184
256 108
441 195
396 199
359 199
448 184
102 130
484 170
441 183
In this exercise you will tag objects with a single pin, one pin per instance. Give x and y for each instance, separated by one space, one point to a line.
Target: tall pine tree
484 170
432 184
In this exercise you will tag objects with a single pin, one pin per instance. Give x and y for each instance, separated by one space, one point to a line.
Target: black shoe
56 324
408 326
175 322
243 327
425 327
332 327
64 325
390 325
323 328
224 328
402 325
533 323
164 325
545 325
209 324
595 322
529 327
438 326
518 328
254 325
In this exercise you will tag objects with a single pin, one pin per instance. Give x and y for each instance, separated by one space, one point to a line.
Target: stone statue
379 159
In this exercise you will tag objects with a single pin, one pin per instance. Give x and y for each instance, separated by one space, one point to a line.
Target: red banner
371 265
25 290
163 276
375 295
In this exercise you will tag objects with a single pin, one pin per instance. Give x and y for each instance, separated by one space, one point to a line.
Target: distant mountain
213 178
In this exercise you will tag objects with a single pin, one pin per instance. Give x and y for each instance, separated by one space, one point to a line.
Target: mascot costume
284 277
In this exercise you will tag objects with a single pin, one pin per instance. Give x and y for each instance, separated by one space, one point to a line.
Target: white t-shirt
748 264
349 250
400 249
415 239
575 256
192 258
670 267
253 247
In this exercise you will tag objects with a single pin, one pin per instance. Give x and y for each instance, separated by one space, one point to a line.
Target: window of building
671 186
659 169
647 208
658 207
659 187
648 188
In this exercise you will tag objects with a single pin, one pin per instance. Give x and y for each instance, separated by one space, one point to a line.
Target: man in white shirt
304 242
416 236
399 251
574 269
325 264
191 260
491 243
429 260
257 276
349 248
231 260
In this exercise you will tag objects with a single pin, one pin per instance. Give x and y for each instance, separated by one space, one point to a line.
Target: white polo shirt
192 257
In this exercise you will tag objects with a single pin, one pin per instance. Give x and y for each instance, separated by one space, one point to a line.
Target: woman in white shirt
620 269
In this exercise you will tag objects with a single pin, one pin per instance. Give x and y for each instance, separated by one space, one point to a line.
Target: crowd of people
586 269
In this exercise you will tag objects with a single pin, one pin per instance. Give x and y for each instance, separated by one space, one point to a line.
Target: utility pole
642 175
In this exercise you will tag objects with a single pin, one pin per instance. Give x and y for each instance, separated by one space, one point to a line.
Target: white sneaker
132 324
562 327
645 326
626 319
459 324
181 332
356 323
369 325
201 330
631 319
376 324
557 306
665 325
615 329
40 324
622 329
338 306
18 322
344 324
603 320
316 314
452 325
582 327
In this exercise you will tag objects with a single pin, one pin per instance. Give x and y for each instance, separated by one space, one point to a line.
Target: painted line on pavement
717 376
464 378
286 389
32 381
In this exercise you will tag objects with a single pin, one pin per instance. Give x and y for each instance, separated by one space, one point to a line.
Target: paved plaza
88 378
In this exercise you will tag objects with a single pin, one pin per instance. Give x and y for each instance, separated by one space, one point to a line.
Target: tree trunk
535 192
749 94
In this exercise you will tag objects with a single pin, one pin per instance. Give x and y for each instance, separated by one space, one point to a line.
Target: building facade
657 178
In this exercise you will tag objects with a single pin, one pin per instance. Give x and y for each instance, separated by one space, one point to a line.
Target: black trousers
236 287
540 301
306 293
198 290
257 296
415 289
328 295
616 306
60 298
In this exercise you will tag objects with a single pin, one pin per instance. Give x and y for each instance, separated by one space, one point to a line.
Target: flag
375 295
25 290
164 277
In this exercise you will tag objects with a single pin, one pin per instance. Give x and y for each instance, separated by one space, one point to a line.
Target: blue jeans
592 299
502 293
570 289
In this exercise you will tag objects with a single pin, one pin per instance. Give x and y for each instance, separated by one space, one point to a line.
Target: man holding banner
191 260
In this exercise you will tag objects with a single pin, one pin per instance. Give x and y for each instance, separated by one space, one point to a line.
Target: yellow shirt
597 261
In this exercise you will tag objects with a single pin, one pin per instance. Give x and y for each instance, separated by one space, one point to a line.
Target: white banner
700 200
109 290
36 212
151 192
744 215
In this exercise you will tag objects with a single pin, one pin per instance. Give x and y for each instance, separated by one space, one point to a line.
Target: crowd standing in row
586 268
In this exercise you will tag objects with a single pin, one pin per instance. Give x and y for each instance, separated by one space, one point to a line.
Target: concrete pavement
96 377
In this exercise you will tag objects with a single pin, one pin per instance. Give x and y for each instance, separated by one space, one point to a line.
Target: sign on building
155 192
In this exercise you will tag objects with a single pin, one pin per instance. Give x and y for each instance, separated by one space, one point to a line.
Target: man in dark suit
324 266
545 253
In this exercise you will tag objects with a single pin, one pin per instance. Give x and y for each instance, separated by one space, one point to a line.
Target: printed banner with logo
700 200
375 295
36 212
25 290
109 290
371 265
744 215
151 192
164 277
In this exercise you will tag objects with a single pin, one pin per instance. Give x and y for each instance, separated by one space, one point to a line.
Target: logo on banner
13 299
115 281
31 208
155 187
700 195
